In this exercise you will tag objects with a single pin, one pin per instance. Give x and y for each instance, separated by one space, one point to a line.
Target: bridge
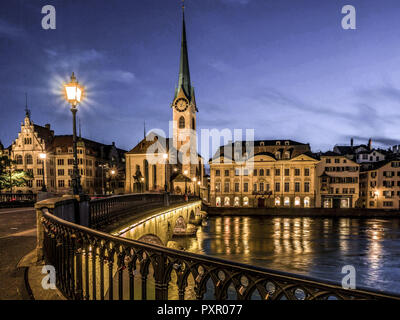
94 263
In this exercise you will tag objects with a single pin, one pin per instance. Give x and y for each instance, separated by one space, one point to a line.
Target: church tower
184 110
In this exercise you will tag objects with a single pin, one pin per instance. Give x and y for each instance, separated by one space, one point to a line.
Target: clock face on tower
181 104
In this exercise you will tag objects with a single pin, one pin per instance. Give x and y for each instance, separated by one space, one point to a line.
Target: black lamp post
74 93
165 156
186 172
43 158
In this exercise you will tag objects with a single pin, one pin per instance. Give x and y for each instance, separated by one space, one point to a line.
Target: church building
157 163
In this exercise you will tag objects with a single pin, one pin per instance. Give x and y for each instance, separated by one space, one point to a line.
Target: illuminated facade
183 170
96 161
338 181
280 173
380 185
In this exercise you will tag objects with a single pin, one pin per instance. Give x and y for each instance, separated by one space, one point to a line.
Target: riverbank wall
304 212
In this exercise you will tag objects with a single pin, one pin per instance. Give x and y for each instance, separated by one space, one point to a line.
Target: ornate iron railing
95 265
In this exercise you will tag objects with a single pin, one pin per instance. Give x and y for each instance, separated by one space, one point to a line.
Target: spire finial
183 5
27 111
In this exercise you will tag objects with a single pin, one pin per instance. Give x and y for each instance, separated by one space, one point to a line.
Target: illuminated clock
181 104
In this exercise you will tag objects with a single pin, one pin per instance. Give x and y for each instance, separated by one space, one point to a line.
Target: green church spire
184 73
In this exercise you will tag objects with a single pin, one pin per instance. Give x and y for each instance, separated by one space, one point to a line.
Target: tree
10 177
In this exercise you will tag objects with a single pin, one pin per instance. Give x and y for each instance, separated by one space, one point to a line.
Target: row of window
341 169
340 179
342 191
277 202
336 160
265 172
261 187
60 162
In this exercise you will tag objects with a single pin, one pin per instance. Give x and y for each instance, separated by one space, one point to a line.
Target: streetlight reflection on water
317 247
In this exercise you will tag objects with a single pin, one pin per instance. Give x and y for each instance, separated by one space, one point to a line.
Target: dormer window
262 143
278 143
287 143
278 155
287 155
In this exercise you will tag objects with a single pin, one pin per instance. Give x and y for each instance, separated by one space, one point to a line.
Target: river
316 247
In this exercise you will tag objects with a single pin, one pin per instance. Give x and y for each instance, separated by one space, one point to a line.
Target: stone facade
279 174
101 166
183 170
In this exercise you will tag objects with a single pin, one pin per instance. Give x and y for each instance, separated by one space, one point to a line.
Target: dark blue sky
285 68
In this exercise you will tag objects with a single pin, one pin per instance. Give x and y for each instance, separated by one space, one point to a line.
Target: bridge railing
26 197
103 211
95 265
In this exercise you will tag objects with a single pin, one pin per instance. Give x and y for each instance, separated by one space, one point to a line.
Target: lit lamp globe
73 91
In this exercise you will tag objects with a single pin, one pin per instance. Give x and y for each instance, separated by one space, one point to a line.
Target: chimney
370 144
47 126
351 142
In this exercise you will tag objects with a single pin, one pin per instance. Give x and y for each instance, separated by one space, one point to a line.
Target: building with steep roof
146 169
380 184
102 167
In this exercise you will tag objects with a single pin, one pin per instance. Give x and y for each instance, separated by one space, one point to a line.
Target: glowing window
306 202
297 201
286 202
227 201
277 201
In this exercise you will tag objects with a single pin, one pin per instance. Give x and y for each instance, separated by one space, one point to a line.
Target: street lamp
42 156
165 156
199 183
113 172
194 187
73 94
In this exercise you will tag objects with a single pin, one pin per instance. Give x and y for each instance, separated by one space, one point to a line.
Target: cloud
120 76
235 2
10 31
220 66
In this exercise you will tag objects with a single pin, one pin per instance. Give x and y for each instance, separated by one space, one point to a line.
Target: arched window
286 202
193 124
218 202
227 201
236 202
297 202
19 159
277 201
245 201
181 122
28 159
306 202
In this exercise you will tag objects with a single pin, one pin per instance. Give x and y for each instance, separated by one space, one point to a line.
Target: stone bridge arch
159 227
151 238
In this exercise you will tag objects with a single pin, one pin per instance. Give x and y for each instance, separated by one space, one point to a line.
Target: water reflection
318 247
